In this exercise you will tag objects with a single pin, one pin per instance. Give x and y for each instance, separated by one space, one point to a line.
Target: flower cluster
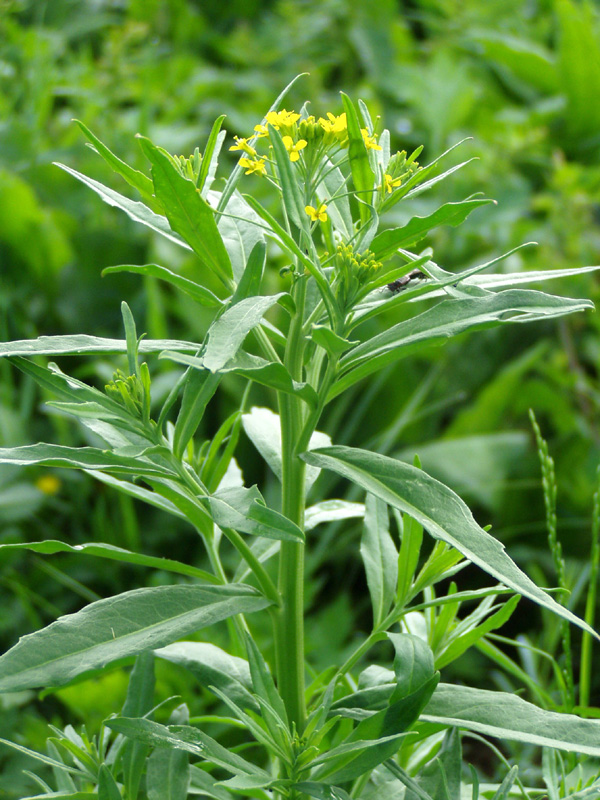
300 136
127 390
188 167
352 272
399 169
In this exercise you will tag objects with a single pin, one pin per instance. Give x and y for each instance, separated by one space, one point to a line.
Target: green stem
289 627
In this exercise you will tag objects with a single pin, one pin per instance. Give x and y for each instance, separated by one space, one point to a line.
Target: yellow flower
389 183
242 144
369 141
282 118
315 215
334 124
262 130
294 149
257 166
48 484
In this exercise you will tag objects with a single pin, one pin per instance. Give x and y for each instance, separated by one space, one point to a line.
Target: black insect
401 283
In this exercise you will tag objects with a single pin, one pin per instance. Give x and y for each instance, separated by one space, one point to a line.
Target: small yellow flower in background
282 118
256 165
315 215
48 484
334 124
369 141
242 144
389 183
294 149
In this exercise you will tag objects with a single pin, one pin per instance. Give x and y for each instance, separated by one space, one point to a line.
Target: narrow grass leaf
441 512
117 627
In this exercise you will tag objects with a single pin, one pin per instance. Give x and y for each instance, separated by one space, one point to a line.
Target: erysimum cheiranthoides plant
347 734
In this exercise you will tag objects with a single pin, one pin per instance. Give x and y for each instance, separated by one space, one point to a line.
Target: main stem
289 630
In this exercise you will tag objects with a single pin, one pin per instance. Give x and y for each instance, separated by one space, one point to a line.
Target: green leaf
338 208
241 229
268 373
263 683
387 242
441 777
448 319
203 784
532 65
227 334
249 283
380 558
168 771
244 510
329 340
289 179
184 737
363 176
63 796
262 426
461 643
199 388
107 786
117 627
386 724
194 290
210 157
135 210
134 177
113 553
507 716
331 511
441 512
54 455
322 791
81 344
139 701
188 213
413 664
212 666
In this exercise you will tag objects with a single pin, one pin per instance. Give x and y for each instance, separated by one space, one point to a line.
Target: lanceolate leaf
136 211
507 716
288 176
197 292
55 455
380 558
268 373
187 211
113 553
184 737
388 242
244 510
441 512
448 319
226 335
134 177
117 627
81 344
362 174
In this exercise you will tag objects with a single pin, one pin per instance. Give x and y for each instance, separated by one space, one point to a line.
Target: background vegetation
520 77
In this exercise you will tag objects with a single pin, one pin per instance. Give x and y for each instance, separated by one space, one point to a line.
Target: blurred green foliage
521 77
